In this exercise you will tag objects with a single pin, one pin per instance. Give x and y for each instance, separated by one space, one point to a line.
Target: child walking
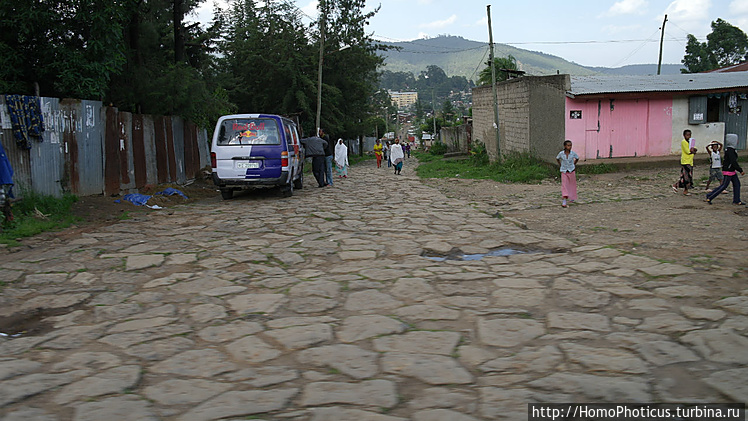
715 171
686 164
567 160
730 170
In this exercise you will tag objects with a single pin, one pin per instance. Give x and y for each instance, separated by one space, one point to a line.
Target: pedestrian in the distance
407 149
328 157
341 159
567 160
715 170
387 147
315 148
397 156
378 153
730 170
687 150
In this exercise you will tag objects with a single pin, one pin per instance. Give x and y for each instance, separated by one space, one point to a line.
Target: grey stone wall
547 115
531 115
457 139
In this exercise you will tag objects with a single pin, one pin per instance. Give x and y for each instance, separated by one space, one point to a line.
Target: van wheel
227 194
287 189
299 182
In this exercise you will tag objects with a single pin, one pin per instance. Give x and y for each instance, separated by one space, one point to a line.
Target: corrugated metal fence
89 149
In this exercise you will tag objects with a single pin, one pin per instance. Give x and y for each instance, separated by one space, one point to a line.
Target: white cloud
439 24
482 22
689 10
739 7
627 7
622 29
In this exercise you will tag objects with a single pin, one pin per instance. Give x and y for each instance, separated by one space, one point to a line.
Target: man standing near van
315 148
328 156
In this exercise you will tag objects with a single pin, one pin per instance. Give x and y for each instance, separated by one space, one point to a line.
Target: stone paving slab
325 306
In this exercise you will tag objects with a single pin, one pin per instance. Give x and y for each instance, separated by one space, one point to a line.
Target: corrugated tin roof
741 67
587 85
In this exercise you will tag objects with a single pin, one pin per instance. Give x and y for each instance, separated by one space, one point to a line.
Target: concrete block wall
483 130
531 115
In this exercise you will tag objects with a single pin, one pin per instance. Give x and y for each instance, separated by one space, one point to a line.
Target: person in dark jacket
328 156
730 170
315 148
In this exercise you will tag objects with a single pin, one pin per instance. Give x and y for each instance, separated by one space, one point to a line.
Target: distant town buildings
403 99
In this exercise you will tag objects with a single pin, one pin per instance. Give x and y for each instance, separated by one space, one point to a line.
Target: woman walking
341 159
730 170
378 153
397 156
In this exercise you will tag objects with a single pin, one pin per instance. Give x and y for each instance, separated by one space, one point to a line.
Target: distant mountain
458 56
639 69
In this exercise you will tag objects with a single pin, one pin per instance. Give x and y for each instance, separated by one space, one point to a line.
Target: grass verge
516 168
37 213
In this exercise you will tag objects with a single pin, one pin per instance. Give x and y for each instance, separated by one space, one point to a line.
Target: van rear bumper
248 183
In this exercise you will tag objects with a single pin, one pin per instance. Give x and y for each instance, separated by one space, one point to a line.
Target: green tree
65 48
507 63
448 111
726 45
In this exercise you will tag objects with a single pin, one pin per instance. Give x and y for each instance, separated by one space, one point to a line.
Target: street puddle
29 322
460 256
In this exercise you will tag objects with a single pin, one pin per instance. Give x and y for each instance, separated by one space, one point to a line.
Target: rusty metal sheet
90 139
149 146
124 128
172 159
46 157
111 153
178 146
191 154
138 151
70 181
162 146
203 143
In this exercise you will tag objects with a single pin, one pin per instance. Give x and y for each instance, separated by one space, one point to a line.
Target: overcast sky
588 32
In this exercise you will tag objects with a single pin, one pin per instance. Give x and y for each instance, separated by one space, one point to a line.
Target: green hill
458 56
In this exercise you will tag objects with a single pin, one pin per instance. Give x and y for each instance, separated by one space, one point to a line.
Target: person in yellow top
686 165
378 153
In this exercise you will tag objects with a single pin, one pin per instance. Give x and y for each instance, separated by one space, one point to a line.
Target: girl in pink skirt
567 159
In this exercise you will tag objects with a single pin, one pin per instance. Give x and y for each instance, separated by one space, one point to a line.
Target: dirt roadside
634 211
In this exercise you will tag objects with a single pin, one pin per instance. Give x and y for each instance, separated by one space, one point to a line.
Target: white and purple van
256 150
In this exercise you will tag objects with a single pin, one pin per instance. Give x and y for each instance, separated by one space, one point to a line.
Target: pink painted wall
612 128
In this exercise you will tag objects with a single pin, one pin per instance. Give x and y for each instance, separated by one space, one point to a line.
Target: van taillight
284 159
213 160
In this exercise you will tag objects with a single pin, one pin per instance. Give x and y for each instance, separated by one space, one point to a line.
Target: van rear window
250 131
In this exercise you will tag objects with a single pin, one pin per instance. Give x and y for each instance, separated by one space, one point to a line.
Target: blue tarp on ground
138 199
170 192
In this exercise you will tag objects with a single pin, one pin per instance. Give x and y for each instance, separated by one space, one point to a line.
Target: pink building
611 116
630 116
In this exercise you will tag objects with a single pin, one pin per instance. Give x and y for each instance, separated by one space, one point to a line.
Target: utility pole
662 38
434 107
493 84
319 69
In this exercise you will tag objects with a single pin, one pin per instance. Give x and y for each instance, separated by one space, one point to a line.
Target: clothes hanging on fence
6 173
26 117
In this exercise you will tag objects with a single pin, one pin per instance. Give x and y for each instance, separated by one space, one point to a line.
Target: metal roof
587 85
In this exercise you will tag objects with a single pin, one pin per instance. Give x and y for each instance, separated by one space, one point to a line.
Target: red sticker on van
250 126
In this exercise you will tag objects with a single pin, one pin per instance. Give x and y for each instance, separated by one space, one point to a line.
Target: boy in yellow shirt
686 165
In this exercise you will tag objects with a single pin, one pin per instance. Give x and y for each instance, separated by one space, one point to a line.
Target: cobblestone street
379 299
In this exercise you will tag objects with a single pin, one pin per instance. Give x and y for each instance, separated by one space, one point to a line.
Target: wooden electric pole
662 38
493 84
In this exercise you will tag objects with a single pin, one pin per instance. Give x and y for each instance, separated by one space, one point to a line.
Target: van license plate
247 165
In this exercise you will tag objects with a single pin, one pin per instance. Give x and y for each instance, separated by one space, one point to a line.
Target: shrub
438 148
